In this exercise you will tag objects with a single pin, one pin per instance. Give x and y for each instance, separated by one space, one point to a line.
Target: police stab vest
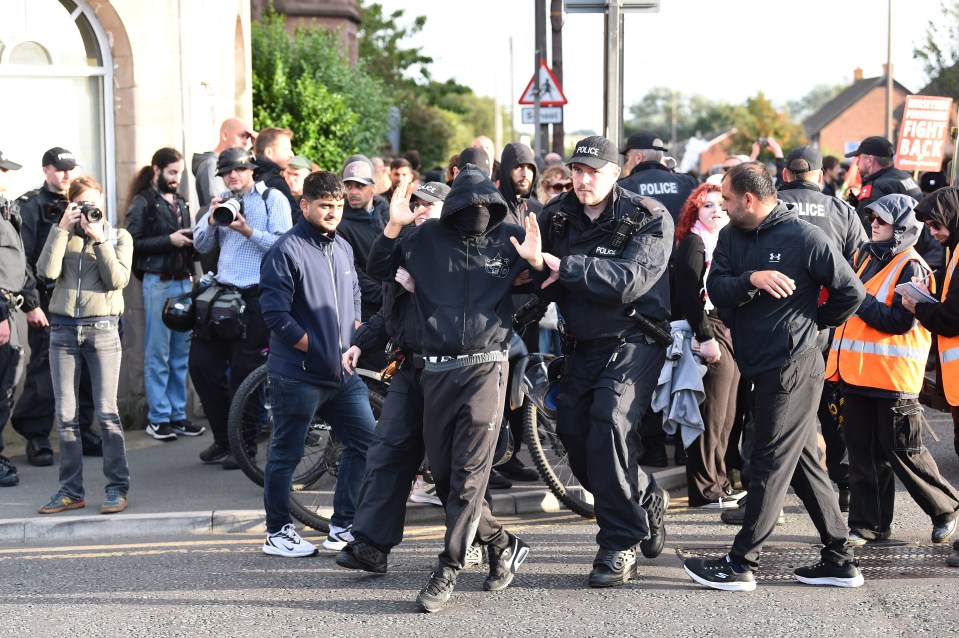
863 356
949 347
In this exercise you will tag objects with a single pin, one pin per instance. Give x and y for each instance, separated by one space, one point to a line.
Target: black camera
558 224
90 211
226 211
763 141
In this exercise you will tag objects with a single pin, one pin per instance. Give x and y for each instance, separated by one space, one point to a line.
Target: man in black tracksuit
606 251
766 276
464 266
802 179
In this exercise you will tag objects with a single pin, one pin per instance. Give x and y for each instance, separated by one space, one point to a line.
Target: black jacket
885 182
688 270
769 332
594 290
652 179
269 173
360 229
150 221
514 154
463 283
942 318
838 219
40 210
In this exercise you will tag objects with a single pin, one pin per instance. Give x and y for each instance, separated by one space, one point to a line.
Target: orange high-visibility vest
868 358
949 348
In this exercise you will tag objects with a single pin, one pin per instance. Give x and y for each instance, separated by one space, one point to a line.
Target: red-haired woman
697 230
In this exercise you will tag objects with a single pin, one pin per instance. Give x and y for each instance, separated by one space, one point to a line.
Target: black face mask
472 220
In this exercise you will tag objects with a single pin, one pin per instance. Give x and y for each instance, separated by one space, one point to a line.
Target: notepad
915 293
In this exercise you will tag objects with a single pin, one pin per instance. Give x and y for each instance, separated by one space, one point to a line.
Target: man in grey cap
41 209
364 217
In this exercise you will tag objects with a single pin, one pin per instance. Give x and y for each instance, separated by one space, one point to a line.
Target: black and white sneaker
475 555
657 502
718 573
161 431
184 427
288 543
612 567
504 562
338 537
439 590
828 573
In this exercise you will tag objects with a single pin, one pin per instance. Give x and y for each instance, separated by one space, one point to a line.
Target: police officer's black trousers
884 438
785 451
603 394
461 422
392 461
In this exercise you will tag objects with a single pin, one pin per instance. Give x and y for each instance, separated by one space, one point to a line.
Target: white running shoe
338 538
288 543
423 492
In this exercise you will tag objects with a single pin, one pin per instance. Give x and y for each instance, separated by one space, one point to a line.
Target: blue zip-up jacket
308 285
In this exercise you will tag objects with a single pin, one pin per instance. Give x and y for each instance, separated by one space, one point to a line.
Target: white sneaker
423 492
287 543
338 538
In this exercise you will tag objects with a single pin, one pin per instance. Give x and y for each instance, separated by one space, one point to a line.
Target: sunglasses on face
559 187
872 217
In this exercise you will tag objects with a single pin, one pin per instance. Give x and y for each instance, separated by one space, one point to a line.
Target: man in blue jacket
310 299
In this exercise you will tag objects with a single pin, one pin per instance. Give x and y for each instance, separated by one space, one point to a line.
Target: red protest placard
923 133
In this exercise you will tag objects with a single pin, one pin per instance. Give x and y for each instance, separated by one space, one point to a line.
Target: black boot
439 590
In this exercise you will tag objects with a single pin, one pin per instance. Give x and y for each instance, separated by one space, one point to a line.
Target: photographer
159 221
40 210
90 263
244 222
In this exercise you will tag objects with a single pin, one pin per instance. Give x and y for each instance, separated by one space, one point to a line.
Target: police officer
605 250
649 177
40 210
15 280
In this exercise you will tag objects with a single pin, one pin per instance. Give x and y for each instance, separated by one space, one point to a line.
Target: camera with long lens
226 211
90 211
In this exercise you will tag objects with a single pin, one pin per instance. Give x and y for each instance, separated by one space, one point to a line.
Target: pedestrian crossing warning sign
550 92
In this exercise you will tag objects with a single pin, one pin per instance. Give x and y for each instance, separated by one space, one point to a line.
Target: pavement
173 493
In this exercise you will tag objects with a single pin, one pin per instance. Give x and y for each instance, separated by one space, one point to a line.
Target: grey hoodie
208 183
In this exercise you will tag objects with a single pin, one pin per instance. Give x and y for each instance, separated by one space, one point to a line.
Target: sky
725 50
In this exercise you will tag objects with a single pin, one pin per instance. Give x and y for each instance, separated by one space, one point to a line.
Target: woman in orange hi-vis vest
879 357
940 213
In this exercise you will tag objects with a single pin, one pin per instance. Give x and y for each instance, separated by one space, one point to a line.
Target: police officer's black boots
612 568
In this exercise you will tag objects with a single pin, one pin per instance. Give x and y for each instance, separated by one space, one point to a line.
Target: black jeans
884 437
785 451
219 366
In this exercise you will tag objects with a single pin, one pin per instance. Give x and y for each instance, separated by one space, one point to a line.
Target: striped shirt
240 257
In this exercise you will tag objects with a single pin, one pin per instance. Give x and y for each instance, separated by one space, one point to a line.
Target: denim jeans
99 347
166 352
347 410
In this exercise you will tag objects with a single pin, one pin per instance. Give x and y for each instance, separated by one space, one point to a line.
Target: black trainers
8 473
504 562
942 533
184 427
39 452
514 470
230 462
718 573
499 482
656 503
161 431
362 555
439 590
214 454
828 573
612 568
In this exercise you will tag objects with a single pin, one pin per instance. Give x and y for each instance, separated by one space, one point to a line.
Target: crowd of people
790 299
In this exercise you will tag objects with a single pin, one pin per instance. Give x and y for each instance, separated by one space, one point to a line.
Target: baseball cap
60 158
643 140
358 171
803 159
301 162
875 145
432 192
233 158
7 164
475 156
595 151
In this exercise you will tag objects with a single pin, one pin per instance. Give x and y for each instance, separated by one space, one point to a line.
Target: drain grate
882 562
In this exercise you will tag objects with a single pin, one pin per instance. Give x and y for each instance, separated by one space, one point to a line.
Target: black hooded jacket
834 216
513 155
463 283
360 229
942 206
768 332
269 172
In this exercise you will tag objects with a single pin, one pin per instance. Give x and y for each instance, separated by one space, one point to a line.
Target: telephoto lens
225 212
91 212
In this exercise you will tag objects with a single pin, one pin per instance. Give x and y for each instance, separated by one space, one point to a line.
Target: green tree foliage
940 53
695 115
302 81
759 118
810 103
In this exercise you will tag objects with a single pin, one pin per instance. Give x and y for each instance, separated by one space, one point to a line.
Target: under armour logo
775 257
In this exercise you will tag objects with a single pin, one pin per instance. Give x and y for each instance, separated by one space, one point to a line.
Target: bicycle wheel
552 461
311 500
250 426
